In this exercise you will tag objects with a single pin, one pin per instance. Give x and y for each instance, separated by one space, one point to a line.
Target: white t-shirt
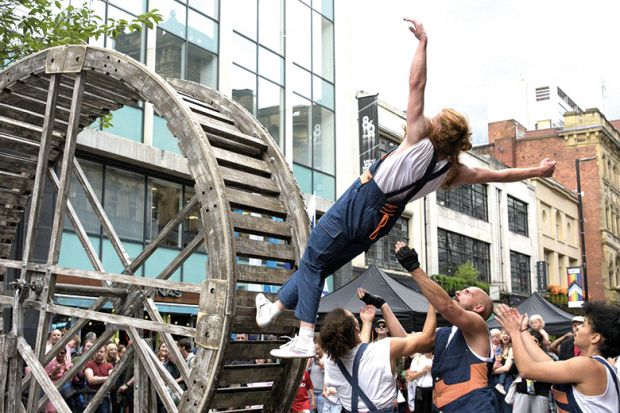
417 364
376 379
398 171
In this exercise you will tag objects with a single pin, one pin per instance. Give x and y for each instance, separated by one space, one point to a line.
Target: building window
517 216
467 199
382 254
138 206
312 82
456 249
258 63
520 273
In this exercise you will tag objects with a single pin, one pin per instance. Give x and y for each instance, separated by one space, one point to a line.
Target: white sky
480 50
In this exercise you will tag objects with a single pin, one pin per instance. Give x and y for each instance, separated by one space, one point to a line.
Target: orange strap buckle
388 211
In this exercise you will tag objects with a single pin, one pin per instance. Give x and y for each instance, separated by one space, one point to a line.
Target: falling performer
427 159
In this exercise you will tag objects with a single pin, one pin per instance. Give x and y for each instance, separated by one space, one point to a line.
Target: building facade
591 137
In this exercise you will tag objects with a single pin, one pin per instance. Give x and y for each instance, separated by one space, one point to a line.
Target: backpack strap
354 382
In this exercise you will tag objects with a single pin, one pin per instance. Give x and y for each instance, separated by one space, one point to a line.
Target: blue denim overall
565 399
358 219
461 381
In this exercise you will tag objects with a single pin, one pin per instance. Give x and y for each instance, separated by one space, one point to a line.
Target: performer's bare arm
472 325
476 175
367 314
417 124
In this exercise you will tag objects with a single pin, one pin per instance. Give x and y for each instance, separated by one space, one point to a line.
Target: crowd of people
80 389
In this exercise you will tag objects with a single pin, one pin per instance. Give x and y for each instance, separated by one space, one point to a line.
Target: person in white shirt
420 373
340 338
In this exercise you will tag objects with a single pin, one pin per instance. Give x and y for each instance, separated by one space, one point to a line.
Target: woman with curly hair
363 374
427 158
583 384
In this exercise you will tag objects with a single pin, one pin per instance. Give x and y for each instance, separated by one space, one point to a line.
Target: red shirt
101 370
302 400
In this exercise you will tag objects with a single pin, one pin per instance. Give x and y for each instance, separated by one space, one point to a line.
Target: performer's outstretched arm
417 124
475 175
394 326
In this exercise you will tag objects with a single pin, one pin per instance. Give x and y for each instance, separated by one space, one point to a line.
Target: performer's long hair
339 334
450 136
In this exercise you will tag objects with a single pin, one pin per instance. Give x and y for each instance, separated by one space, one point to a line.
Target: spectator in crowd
54 337
55 370
111 351
341 339
186 347
496 342
586 383
506 372
124 395
304 398
74 345
420 373
532 395
316 370
121 350
564 346
163 355
97 372
538 323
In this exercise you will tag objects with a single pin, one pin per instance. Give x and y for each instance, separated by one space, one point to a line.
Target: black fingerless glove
375 300
408 258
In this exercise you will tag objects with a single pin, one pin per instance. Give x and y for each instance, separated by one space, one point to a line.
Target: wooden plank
143 351
244 180
249 373
38 105
261 226
18 164
37 92
255 202
15 127
122 321
250 350
14 200
266 250
8 231
42 378
207 114
10 215
5 249
17 146
244 321
16 182
4 368
241 397
262 275
32 118
242 162
235 146
90 290
248 298
232 134
194 99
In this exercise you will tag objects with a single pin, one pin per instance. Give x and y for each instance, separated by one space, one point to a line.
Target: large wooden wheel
45 100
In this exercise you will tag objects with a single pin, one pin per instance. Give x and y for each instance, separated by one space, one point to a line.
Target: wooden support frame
244 170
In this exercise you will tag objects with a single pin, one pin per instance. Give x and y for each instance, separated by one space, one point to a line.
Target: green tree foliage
466 275
27 26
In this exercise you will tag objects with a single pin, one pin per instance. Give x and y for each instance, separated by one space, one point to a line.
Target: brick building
583 135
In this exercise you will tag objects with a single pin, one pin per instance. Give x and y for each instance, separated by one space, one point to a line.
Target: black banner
368 121
541 276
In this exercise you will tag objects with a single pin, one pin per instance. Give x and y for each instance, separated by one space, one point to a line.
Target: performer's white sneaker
500 388
264 313
297 348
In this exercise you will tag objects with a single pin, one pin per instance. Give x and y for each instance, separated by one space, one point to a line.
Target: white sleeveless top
376 379
604 403
398 171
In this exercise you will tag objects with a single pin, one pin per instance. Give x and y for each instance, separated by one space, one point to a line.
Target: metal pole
582 237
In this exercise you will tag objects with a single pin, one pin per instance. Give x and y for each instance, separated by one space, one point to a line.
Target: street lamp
582 237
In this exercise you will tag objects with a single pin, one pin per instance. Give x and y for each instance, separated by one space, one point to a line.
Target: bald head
476 300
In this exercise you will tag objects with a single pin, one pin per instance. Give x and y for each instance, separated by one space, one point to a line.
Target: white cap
578 319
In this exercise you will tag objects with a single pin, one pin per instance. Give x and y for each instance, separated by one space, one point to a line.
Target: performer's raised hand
370 299
547 167
416 28
367 313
